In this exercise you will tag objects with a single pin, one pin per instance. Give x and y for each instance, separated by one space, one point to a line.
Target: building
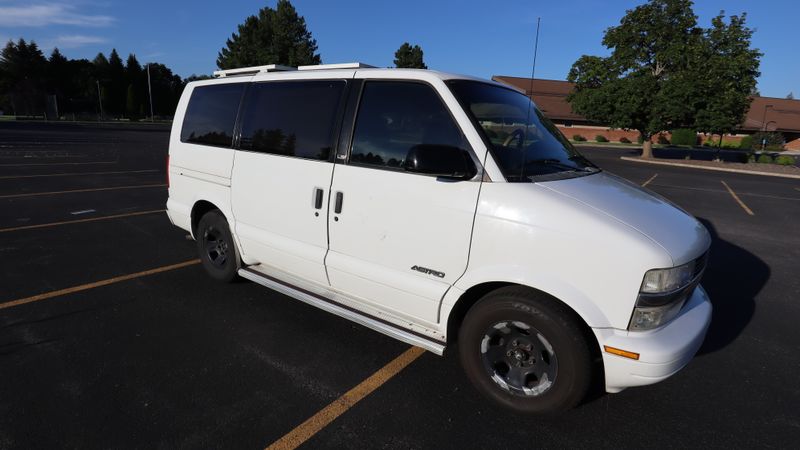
765 113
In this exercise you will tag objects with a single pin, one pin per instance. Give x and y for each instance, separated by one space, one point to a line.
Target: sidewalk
770 170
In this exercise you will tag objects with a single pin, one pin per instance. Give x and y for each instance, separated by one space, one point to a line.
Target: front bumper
662 352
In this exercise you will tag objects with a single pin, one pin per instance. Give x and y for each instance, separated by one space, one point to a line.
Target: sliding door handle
338 205
318 194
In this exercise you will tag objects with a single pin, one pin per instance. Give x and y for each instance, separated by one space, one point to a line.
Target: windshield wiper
584 160
555 163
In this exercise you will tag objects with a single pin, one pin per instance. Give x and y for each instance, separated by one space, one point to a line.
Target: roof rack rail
252 70
352 65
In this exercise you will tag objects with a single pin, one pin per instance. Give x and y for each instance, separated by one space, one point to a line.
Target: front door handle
318 194
338 205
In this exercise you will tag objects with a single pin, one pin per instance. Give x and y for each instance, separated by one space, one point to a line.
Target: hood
672 228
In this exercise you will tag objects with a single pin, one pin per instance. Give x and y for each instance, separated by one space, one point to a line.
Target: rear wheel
525 351
216 247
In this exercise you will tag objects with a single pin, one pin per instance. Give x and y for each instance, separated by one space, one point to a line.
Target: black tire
553 359
216 247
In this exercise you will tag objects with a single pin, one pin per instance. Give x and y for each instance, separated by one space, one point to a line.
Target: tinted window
396 116
211 114
292 118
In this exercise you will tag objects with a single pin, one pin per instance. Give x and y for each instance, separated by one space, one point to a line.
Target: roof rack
352 65
252 70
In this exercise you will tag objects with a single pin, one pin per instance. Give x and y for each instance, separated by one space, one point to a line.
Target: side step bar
332 307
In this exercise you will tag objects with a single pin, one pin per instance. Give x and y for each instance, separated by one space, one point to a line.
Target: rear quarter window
211 115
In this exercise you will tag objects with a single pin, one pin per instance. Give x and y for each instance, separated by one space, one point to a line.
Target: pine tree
408 56
274 36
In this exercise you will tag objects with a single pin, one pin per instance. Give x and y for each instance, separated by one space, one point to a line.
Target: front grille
700 266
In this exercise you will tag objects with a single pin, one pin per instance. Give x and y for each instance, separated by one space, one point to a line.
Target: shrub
784 160
746 143
640 139
662 140
624 140
751 157
774 140
764 159
578 138
709 143
684 136
730 145
744 157
600 138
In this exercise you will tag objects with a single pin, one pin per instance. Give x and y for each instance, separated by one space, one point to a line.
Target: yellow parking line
92 219
14 177
738 200
96 284
34 194
649 181
325 416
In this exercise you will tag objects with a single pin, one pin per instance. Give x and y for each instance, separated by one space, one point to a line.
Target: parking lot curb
718 169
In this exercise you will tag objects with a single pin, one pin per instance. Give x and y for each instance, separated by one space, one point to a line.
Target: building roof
551 97
782 114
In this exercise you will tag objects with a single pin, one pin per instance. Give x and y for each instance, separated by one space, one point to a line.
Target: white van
444 211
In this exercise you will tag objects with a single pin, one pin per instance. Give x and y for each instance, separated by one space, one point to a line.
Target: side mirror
441 161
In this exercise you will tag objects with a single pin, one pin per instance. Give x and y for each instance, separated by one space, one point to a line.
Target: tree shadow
733 279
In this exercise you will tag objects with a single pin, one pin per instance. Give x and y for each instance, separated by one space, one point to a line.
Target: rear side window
293 118
211 115
396 116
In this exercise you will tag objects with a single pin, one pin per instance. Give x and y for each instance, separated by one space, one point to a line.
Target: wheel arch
468 298
199 209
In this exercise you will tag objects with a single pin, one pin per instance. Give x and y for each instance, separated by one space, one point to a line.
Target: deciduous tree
641 85
728 77
665 72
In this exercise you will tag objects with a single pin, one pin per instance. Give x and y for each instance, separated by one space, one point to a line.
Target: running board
342 311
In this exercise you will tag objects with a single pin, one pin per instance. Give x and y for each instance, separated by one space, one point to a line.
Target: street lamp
764 123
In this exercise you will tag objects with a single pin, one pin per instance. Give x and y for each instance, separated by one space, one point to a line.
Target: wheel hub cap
518 358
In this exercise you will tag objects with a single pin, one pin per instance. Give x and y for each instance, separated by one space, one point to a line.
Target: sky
480 38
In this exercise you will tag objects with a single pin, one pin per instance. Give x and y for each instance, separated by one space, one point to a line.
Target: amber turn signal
620 352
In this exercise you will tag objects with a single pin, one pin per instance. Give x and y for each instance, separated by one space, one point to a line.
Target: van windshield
525 144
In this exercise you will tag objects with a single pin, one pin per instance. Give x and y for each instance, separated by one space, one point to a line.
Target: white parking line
14 177
73 191
58 164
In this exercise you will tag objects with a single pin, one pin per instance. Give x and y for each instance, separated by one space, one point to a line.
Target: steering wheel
518 134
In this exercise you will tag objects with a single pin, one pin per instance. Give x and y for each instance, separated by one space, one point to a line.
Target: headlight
665 280
663 293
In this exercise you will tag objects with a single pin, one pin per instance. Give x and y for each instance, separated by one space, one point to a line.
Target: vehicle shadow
733 279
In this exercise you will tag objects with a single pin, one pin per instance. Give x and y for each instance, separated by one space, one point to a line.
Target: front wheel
216 247
525 351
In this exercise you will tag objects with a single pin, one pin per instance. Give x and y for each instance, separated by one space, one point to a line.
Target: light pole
764 123
100 99
150 92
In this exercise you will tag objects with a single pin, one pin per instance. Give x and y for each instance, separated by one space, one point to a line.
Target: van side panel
197 172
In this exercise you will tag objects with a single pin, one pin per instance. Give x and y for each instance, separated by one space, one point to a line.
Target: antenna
535 51
530 102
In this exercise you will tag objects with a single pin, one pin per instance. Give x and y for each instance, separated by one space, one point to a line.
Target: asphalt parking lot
148 352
